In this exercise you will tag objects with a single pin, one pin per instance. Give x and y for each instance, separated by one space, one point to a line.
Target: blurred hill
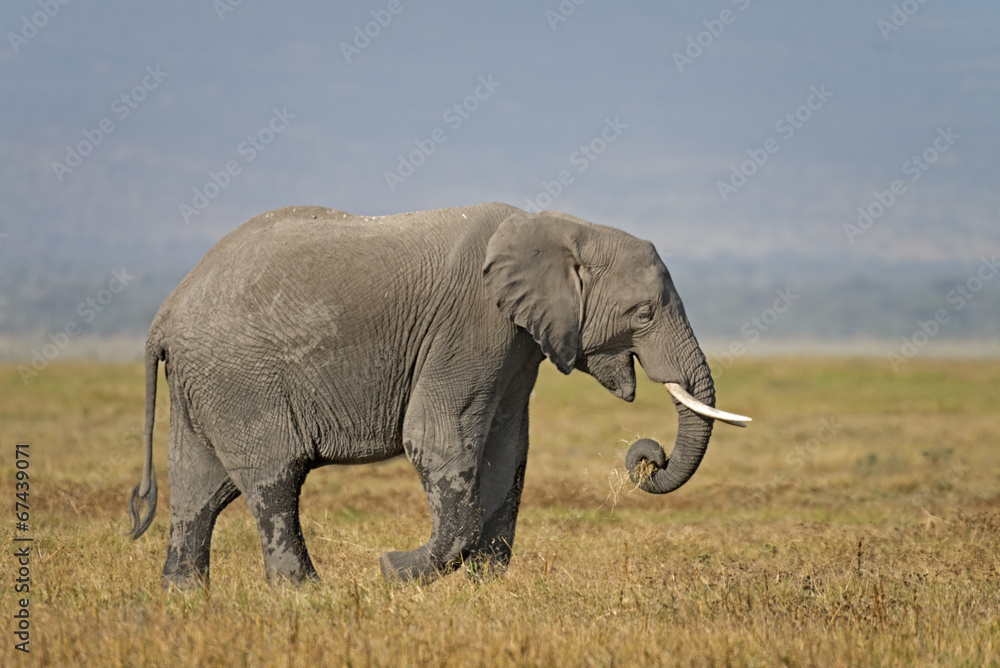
758 305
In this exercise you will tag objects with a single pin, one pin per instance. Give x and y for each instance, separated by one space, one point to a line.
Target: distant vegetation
728 300
859 300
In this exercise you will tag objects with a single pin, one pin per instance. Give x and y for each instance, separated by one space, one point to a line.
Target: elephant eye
643 313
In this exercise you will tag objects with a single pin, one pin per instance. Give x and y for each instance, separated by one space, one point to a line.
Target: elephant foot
185 572
408 566
289 567
293 579
184 580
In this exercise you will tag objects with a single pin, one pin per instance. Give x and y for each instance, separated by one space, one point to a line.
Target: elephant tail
144 494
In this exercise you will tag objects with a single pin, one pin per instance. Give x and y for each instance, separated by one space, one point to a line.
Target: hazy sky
733 126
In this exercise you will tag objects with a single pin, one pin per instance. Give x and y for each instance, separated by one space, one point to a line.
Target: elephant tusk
682 395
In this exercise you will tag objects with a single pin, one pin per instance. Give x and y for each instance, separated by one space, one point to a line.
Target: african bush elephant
308 337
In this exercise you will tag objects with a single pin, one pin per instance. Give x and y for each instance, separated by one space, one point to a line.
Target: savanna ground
854 523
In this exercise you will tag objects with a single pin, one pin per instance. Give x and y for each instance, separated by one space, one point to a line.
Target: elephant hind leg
200 488
275 506
501 484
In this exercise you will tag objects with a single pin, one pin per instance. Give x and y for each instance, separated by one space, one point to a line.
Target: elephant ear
534 274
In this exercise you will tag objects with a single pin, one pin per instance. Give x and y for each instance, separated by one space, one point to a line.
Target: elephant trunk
696 413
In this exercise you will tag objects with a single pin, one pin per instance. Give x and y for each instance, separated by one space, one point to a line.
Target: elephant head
594 298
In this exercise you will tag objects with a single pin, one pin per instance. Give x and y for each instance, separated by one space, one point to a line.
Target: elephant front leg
450 479
501 484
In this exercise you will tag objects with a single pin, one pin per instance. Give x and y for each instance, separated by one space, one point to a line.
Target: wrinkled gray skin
309 337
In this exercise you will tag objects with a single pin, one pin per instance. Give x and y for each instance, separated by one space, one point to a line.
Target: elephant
308 336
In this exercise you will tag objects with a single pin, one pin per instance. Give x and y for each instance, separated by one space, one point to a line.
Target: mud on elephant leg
452 488
457 521
201 489
275 506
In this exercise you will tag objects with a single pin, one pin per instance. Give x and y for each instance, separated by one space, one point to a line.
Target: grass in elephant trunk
856 522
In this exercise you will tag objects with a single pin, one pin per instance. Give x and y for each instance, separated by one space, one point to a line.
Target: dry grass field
856 522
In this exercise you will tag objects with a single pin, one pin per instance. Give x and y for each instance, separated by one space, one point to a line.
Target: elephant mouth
683 396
